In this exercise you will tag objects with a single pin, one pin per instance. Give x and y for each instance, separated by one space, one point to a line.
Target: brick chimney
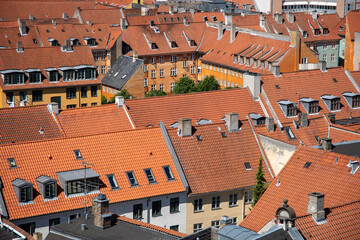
316 205
220 29
119 101
102 218
303 119
232 121
19 47
269 123
68 47
184 127
232 32
326 144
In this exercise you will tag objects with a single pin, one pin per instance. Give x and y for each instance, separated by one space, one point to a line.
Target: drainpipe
79 95
243 205
148 210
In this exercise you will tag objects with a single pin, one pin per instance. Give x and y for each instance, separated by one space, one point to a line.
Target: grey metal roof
329 97
308 100
30 70
121 71
285 102
255 116
350 94
237 232
20 183
77 174
45 179
203 121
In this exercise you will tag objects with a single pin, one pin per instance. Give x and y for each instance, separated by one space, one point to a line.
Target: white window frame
162 86
162 73
145 82
192 70
173 58
172 86
173 72
153 73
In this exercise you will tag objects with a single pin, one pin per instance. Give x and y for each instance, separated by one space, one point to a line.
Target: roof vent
354 165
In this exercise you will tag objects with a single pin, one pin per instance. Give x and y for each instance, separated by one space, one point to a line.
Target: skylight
198 137
307 164
77 154
277 86
112 181
289 133
335 80
149 175
168 173
247 165
132 178
223 134
12 162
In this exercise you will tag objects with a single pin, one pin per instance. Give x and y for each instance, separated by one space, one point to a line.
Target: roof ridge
308 70
25 107
87 108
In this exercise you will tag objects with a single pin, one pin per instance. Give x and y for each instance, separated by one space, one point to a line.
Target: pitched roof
11 35
133 150
121 71
21 124
101 16
296 181
205 105
93 120
216 163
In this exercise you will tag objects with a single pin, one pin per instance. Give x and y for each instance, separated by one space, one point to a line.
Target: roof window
310 105
112 181
353 99
223 134
335 80
307 164
289 133
289 108
168 173
12 162
198 137
132 179
149 175
77 154
332 102
23 190
277 86
247 165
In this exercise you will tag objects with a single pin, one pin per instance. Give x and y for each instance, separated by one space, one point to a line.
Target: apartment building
352 42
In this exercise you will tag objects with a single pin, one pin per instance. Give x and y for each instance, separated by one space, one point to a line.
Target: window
197 227
324 58
70 93
291 110
233 199
315 45
96 56
314 107
316 32
94 104
215 224
25 194
145 68
174 227
28 227
173 58
53 222
193 57
80 74
10 79
77 154
68 75
50 190
153 87
199 70
149 175
162 87
103 55
53 76
325 45
198 205
184 64
103 69
78 186
132 178
173 72
84 105
248 196
303 60
12 163
172 86
247 165
215 203
153 73
34 77
71 106
137 211
335 104
168 173
93 91
289 133
37 96
333 45
83 92
356 102
145 82
332 57
174 205
162 72
153 60
234 221
192 70
162 59
112 181
156 208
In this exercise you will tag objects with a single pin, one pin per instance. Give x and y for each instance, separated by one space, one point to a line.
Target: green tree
123 93
208 84
104 100
232 87
184 85
259 188
153 93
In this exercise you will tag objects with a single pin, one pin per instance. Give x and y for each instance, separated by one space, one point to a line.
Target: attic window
12 162
153 46
352 99
132 179
277 86
77 154
332 102
335 80
192 43
307 164
149 175
63 30
173 44
311 105
156 30
325 31
247 165
47 30
35 41
168 173
288 108
289 133
165 19
198 137
305 34
112 181
223 134
341 28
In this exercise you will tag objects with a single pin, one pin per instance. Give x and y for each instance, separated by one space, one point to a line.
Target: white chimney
232 32
53 107
232 121
184 127
135 56
220 29
122 24
119 101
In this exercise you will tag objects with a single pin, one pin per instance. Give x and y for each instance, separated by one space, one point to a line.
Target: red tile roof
217 163
15 227
341 134
93 120
101 16
140 149
10 36
22 124
296 181
205 105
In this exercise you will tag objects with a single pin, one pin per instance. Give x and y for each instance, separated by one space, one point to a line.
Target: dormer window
23 190
241 60
353 99
153 46
289 108
236 58
47 186
257 119
90 41
305 34
53 42
74 41
13 77
192 43
262 64
311 105
325 31
316 32
173 44
332 102
53 76
34 77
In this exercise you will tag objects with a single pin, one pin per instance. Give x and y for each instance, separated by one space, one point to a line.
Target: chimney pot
232 121
119 100
316 205
184 127
303 119
53 107
269 123
326 144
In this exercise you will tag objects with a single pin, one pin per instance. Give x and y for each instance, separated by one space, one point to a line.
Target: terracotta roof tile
20 230
11 35
206 105
101 16
21 124
217 163
340 134
32 161
296 181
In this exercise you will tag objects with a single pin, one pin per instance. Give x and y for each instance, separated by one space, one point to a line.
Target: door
56 100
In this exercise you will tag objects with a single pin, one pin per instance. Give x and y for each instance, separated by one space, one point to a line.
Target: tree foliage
208 84
184 85
104 100
153 93
259 188
123 93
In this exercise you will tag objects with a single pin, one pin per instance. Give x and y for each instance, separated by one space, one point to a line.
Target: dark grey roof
77 174
121 71
45 179
20 183
351 148
119 230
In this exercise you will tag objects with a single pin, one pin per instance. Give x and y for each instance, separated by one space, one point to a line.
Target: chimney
295 38
144 11
186 21
278 18
184 127
262 20
331 117
276 71
151 23
65 16
68 47
232 32
19 47
322 65
22 27
53 22
31 17
220 29
122 24
37 236
119 101
135 56
232 121
316 205
224 221
354 165
102 218
83 227
356 55
53 107
171 10
89 23
253 83
326 144
290 17
314 15
303 119
285 216
269 123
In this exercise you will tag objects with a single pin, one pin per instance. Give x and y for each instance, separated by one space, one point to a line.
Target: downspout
148 210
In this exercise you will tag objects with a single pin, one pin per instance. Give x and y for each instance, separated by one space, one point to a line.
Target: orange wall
222 74
349 50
